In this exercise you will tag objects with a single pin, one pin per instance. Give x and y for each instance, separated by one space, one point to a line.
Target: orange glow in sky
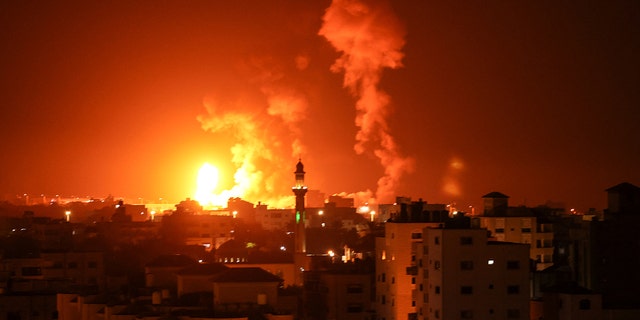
445 101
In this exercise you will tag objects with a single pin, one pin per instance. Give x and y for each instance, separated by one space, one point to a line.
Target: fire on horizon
441 101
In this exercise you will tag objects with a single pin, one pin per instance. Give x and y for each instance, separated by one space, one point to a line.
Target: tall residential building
519 225
615 249
462 275
396 254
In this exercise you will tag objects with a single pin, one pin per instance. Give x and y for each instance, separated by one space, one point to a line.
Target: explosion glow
266 123
208 177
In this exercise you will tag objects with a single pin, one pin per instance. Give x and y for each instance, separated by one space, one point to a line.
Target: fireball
207 182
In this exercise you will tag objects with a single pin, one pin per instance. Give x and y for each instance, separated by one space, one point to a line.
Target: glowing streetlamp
235 214
373 215
153 215
320 212
68 215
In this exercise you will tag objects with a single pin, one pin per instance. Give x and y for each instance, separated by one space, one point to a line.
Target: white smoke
370 39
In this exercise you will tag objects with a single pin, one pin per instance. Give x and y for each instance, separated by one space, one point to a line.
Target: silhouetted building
344 291
616 249
162 271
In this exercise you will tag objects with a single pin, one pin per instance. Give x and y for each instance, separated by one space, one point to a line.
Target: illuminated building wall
394 254
462 275
519 225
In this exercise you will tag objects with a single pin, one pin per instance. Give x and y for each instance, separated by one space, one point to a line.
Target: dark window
466 314
437 289
526 230
466 265
383 299
31 271
585 304
513 314
499 230
466 240
466 290
384 277
354 308
436 265
413 280
354 288
72 265
416 235
513 289
436 240
393 279
13 315
92 265
513 264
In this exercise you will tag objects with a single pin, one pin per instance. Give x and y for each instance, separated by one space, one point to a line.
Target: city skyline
534 100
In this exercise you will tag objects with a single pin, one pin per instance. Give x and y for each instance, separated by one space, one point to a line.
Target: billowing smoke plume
265 132
370 38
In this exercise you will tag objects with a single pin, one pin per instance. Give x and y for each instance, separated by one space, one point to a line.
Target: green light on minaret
297 216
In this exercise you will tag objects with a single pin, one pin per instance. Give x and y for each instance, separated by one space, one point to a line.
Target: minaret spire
300 190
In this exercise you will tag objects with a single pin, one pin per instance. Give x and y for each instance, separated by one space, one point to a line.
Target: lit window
490 262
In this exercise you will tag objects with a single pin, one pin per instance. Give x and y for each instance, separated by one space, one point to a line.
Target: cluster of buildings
422 261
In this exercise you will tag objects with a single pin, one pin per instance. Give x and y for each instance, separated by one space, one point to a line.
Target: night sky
441 101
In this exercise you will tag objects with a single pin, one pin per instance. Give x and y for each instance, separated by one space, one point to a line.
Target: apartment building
519 225
462 275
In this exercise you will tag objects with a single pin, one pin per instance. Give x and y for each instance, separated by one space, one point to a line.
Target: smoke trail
370 38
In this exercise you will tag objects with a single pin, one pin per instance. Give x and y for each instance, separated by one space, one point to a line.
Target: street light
68 215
